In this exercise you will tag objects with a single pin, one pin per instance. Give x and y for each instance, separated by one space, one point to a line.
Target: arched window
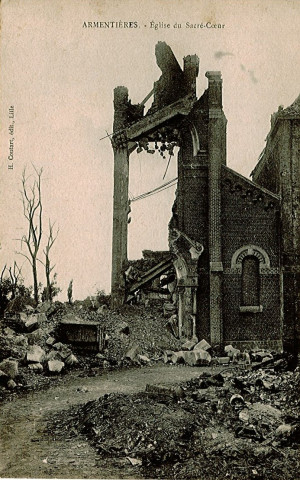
250 281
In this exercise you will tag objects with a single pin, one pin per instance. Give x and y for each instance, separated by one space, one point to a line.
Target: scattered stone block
136 462
132 352
11 384
42 317
21 340
55 366
168 356
144 359
50 341
71 360
100 356
202 345
228 348
44 307
261 356
36 336
197 357
222 360
190 358
244 415
9 332
245 357
189 345
47 308
284 430
203 357
63 349
234 354
65 352
28 309
53 355
165 392
35 354
35 367
177 357
10 367
33 321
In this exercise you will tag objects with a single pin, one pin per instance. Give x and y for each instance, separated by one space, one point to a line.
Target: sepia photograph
150 239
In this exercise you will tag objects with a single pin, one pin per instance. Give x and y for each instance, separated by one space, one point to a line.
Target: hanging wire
159 189
167 167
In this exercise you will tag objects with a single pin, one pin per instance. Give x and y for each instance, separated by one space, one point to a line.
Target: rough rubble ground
240 424
198 430
134 326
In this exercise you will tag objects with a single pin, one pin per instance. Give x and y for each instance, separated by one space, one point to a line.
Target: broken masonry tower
234 284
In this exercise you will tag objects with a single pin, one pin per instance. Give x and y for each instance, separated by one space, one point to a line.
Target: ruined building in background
234 243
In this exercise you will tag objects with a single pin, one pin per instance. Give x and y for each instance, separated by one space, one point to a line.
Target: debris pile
238 423
196 353
28 348
137 331
33 339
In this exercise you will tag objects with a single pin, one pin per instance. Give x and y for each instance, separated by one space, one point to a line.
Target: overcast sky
59 76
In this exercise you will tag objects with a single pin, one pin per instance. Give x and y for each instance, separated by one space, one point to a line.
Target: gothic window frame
264 268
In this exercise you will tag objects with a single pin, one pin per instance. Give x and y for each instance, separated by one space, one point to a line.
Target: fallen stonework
141 328
192 358
10 367
81 333
55 366
35 354
136 336
230 424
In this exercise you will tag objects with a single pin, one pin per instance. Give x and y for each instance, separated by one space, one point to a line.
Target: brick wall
245 222
279 168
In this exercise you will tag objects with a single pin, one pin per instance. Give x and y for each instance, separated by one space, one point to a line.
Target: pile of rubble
33 347
137 331
27 347
201 353
238 423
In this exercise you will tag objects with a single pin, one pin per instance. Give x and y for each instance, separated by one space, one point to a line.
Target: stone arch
195 139
250 250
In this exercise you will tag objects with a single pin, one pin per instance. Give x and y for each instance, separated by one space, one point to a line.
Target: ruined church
234 242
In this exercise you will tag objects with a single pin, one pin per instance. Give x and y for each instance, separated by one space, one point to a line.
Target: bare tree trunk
35 281
48 268
49 286
32 209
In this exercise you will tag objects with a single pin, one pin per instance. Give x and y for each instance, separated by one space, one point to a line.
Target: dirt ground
27 449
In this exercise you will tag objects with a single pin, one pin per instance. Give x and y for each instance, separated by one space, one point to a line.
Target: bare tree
15 278
70 292
48 267
32 209
2 273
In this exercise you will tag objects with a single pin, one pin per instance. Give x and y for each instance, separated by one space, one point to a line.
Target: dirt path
26 450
